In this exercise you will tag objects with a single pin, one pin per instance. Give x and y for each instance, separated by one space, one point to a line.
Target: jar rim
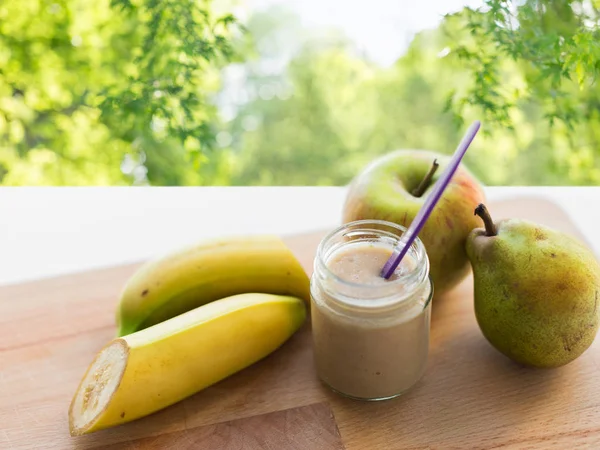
416 277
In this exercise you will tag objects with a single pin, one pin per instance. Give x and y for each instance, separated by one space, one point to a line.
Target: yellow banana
208 271
146 371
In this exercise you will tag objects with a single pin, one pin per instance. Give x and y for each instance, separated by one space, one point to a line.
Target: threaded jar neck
391 294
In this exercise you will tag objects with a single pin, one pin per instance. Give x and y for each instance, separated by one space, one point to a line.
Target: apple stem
420 190
490 226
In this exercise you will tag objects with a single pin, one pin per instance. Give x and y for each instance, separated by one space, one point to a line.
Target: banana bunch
189 320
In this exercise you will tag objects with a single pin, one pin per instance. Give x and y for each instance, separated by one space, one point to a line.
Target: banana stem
490 226
425 182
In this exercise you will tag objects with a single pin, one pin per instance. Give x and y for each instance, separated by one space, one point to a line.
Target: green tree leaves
82 84
124 92
556 44
344 111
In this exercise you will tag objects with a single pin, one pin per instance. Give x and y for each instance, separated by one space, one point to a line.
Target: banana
210 270
143 372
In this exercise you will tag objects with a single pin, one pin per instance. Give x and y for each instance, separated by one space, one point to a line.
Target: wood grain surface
471 397
306 427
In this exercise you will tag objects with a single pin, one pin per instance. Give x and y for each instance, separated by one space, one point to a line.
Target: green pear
537 290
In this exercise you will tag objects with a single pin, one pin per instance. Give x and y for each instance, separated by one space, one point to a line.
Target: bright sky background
381 28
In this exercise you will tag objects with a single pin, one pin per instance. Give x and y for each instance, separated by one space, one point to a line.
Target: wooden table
470 397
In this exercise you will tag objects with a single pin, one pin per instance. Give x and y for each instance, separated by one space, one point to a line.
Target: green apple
394 187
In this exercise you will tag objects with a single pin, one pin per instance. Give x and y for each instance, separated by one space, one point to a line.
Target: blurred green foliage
108 92
555 44
128 92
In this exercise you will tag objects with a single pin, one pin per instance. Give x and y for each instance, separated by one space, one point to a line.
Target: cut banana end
98 386
146 371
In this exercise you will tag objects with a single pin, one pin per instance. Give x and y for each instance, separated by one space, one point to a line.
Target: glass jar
371 340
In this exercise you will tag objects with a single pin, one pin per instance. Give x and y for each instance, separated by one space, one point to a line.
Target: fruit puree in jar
371 335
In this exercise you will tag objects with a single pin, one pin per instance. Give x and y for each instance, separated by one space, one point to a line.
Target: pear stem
490 226
425 182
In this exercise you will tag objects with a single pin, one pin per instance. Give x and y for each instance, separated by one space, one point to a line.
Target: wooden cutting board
470 397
